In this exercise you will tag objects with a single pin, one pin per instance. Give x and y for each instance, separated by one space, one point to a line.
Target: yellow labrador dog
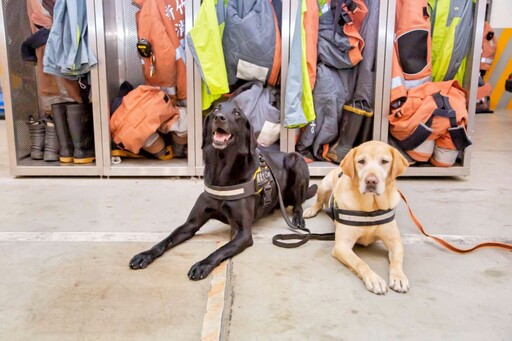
363 200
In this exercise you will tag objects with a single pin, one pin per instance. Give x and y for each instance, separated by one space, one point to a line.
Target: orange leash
448 245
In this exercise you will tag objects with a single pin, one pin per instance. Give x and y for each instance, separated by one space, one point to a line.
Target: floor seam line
215 304
407 238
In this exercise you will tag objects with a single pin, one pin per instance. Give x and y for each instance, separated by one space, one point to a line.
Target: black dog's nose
220 117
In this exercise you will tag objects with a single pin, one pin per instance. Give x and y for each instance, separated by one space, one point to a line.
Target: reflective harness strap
346 217
359 218
260 184
233 192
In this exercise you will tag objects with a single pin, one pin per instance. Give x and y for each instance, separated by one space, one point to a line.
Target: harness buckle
267 194
264 182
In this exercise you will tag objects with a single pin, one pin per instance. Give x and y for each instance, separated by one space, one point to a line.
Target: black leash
302 237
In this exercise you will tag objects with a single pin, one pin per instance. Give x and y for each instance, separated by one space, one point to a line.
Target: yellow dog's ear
399 165
348 164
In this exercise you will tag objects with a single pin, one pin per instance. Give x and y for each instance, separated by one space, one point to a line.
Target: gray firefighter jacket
67 51
251 35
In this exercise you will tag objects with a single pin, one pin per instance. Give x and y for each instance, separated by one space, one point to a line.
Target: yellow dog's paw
374 283
310 212
399 282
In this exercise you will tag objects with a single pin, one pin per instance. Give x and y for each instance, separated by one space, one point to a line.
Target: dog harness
343 216
260 184
359 218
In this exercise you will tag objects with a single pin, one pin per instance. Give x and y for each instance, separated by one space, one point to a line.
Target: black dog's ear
250 140
207 134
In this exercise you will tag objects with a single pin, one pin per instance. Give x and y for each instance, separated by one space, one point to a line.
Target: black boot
51 144
63 135
81 128
352 119
36 130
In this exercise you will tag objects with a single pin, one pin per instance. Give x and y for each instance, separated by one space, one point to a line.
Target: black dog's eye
384 161
237 113
361 162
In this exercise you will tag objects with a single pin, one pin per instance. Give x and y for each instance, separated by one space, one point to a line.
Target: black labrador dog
231 159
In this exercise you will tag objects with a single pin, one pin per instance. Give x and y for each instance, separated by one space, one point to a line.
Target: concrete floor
67 242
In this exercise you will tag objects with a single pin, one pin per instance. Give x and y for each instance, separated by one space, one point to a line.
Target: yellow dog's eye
361 162
384 162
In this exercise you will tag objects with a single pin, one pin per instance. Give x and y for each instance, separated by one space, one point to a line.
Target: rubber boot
62 129
352 119
51 144
81 129
116 151
179 144
155 145
36 131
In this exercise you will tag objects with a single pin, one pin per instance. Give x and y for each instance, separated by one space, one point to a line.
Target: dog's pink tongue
221 137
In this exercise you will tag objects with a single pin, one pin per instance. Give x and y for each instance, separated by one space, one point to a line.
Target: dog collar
359 218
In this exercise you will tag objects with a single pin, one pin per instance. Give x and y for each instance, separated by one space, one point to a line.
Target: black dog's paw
298 220
200 270
141 260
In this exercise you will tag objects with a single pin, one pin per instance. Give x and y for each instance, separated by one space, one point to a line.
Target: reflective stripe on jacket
489 45
412 49
299 107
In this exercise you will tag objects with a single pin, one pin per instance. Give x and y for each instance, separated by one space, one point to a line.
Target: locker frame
321 168
139 167
25 166
285 133
470 84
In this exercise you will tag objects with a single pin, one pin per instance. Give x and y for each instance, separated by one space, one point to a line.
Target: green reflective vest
205 43
452 30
